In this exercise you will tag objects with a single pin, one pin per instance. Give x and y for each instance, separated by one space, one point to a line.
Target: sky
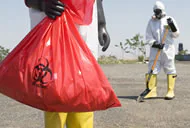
125 18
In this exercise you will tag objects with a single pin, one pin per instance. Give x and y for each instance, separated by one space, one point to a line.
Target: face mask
158 13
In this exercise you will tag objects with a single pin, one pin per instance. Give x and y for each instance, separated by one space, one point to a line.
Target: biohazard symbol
42 74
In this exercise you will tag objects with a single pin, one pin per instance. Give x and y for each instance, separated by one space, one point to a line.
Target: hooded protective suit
72 120
155 32
154 35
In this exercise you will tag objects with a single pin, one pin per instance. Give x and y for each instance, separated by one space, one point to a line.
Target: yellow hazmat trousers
71 120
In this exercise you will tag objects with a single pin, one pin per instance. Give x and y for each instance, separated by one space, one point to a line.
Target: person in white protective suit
93 34
154 34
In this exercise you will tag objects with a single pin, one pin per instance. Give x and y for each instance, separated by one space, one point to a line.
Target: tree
183 52
135 46
3 53
124 49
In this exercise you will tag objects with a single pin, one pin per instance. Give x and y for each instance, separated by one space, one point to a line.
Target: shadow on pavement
128 97
135 97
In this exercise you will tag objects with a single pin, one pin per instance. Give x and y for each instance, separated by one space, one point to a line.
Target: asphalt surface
128 82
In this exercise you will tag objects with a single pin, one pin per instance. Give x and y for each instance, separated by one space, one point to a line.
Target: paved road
128 82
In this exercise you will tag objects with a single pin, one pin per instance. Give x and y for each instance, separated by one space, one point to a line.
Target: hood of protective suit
159 5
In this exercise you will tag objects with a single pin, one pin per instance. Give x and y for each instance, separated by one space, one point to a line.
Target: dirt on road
128 81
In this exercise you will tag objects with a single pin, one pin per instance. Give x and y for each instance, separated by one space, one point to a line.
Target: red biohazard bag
52 68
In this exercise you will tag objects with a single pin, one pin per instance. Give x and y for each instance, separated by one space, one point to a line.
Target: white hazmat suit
154 34
90 35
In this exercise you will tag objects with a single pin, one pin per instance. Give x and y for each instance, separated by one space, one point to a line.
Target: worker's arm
103 36
52 8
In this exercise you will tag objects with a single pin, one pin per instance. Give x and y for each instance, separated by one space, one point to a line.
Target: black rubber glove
171 24
103 36
159 46
52 8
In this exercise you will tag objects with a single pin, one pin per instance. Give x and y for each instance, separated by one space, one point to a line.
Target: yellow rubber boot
72 120
55 119
80 120
171 83
152 86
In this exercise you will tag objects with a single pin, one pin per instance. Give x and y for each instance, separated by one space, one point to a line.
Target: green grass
114 60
